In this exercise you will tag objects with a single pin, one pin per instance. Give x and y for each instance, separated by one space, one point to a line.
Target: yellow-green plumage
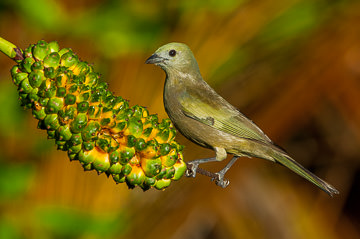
207 119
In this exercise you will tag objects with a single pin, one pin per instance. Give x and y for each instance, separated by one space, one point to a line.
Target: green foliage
15 179
223 6
278 38
8 230
297 21
11 122
71 223
37 11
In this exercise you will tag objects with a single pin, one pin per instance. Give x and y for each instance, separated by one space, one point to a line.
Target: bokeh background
293 66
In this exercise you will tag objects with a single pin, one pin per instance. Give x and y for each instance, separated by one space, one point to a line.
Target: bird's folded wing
221 116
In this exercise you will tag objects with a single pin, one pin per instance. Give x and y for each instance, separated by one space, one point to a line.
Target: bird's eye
172 53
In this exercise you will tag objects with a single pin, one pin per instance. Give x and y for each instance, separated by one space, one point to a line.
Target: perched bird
208 120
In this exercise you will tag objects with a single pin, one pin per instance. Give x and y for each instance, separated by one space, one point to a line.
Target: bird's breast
192 129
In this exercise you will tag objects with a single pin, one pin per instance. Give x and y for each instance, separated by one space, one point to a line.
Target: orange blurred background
292 66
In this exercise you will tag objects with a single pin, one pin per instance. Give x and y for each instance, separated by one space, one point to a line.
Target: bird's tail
290 163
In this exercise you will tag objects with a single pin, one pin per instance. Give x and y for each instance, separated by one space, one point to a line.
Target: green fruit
162 184
140 144
126 169
54 105
50 72
89 145
64 133
126 154
83 107
85 157
40 50
25 86
136 176
101 164
27 63
180 168
69 59
149 181
51 122
70 99
95 127
135 126
54 46
119 178
39 114
79 123
19 77
52 60
151 167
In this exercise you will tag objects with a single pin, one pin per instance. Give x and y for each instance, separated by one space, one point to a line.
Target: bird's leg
220 175
193 165
220 156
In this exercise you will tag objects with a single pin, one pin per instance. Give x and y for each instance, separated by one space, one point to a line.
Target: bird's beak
154 58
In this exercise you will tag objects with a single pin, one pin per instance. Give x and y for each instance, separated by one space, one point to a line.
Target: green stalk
9 49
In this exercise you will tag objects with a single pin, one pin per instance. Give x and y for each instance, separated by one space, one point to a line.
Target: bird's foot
220 180
191 169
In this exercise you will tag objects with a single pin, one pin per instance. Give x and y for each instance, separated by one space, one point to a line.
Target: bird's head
174 57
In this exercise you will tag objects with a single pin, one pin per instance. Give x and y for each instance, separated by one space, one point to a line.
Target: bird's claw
191 169
220 181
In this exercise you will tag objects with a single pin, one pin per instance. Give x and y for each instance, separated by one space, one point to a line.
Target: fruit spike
95 127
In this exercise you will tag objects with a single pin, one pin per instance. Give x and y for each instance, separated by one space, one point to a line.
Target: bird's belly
209 137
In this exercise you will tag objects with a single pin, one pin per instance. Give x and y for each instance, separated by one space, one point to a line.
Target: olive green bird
207 119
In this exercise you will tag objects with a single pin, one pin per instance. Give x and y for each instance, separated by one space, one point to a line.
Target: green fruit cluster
95 127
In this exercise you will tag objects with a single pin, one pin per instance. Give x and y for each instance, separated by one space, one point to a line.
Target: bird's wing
216 112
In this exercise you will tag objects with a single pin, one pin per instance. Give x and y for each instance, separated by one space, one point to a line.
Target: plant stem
10 49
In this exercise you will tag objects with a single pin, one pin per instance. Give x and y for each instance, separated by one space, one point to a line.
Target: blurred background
293 66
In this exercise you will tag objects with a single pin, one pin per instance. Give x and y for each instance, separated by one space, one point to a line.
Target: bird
207 119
